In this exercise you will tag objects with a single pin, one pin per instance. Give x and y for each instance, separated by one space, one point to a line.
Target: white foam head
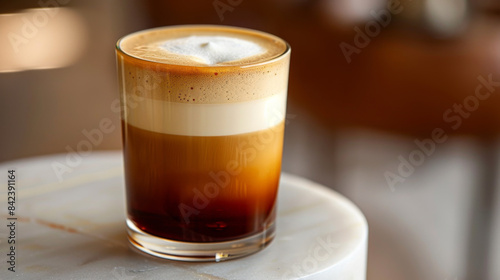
212 50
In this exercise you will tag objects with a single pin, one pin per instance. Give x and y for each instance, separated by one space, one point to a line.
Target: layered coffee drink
203 111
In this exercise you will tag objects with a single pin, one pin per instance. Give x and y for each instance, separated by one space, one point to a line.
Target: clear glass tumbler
202 141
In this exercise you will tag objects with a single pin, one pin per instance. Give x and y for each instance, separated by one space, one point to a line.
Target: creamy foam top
212 50
203 80
203 45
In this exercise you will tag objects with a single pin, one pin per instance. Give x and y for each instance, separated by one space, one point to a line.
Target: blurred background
392 103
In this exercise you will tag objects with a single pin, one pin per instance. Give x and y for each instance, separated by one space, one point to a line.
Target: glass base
195 252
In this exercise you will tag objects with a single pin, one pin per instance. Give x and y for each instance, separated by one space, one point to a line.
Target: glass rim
280 56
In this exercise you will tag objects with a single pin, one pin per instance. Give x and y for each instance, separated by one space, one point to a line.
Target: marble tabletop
70 224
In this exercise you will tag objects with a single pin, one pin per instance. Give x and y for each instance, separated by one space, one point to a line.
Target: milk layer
207 119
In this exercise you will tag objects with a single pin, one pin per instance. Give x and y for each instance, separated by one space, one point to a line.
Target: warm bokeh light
352 11
446 16
41 39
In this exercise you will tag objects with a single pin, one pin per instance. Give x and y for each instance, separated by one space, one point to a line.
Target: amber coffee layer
202 189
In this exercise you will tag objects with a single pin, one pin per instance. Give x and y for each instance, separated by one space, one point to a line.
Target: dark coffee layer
202 189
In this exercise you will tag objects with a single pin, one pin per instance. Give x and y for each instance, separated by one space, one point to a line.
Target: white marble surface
75 229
